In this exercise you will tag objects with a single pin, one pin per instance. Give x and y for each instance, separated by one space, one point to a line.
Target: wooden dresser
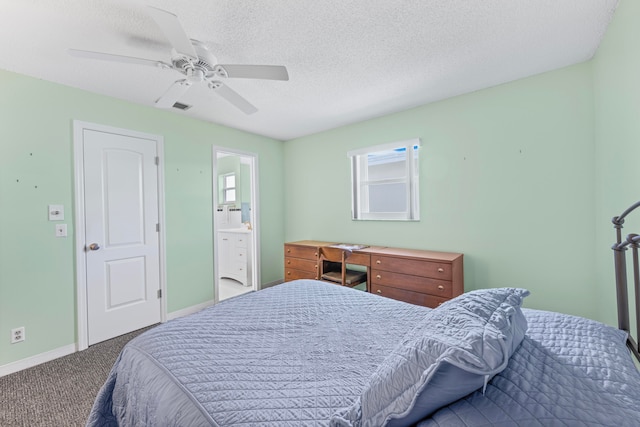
301 259
419 277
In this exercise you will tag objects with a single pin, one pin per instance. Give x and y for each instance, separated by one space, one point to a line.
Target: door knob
94 247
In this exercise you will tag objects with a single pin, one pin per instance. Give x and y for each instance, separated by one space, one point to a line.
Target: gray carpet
60 392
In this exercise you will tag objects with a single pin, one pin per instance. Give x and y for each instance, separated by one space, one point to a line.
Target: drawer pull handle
315 266
378 262
441 270
379 291
440 287
439 304
288 251
288 261
315 254
288 273
378 276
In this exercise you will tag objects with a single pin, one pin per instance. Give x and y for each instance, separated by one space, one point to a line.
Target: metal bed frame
632 241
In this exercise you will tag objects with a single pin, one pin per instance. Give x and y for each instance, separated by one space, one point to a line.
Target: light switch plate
56 212
61 230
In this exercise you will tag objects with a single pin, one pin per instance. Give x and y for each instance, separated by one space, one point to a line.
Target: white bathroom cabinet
234 260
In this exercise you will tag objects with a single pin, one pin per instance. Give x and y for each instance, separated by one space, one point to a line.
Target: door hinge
157 160
159 293
157 227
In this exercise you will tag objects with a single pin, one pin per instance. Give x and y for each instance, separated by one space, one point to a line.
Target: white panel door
122 241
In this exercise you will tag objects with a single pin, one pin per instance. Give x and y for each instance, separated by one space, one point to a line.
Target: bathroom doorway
236 260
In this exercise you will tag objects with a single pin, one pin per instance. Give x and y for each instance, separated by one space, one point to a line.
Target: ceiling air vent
181 106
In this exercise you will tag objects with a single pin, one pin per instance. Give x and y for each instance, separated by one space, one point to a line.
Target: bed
311 353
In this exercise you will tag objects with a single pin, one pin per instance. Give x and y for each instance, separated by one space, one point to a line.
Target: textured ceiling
348 60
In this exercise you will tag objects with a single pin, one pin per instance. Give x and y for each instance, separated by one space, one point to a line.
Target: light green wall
37 284
522 178
617 132
506 177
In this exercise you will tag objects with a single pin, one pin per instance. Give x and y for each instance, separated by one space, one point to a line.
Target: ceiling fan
192 59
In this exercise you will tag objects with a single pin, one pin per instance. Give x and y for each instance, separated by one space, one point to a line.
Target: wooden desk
419 277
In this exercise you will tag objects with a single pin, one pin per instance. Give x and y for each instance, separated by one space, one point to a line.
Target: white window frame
225 189
360 182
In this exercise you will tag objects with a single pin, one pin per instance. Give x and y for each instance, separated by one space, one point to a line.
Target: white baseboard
32 361
29 362
189 310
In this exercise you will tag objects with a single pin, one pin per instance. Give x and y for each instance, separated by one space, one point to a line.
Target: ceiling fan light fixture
195 75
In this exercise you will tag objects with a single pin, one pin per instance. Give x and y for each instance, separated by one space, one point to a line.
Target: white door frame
254 215
80 230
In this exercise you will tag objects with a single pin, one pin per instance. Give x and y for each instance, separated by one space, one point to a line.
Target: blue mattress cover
295 354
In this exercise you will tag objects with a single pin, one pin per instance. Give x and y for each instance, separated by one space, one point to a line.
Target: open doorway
235 223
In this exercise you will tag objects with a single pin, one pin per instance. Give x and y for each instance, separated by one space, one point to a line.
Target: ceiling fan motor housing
204 66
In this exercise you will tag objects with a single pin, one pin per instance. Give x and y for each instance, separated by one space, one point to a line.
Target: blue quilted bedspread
295 354
568 371
290 355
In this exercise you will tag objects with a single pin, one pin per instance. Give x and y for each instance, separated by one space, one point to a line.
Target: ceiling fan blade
172 94
233 97
267 72
115 58
173 31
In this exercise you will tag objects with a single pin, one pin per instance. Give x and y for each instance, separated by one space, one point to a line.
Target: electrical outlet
17 335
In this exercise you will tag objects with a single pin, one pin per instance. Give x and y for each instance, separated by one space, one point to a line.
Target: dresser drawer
416 267
359 259
425 285
241 254
408 296
240 268
306 252
241 241
293 274
301 264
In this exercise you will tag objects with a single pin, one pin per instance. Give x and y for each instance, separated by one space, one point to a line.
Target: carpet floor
60 392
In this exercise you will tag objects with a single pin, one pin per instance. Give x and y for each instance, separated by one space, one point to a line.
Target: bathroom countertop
236 230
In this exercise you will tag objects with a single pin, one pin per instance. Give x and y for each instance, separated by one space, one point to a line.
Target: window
229 188
384 182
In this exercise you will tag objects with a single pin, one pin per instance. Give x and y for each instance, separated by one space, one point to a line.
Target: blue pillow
455 350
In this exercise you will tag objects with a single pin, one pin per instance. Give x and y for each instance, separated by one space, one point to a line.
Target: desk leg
368 279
